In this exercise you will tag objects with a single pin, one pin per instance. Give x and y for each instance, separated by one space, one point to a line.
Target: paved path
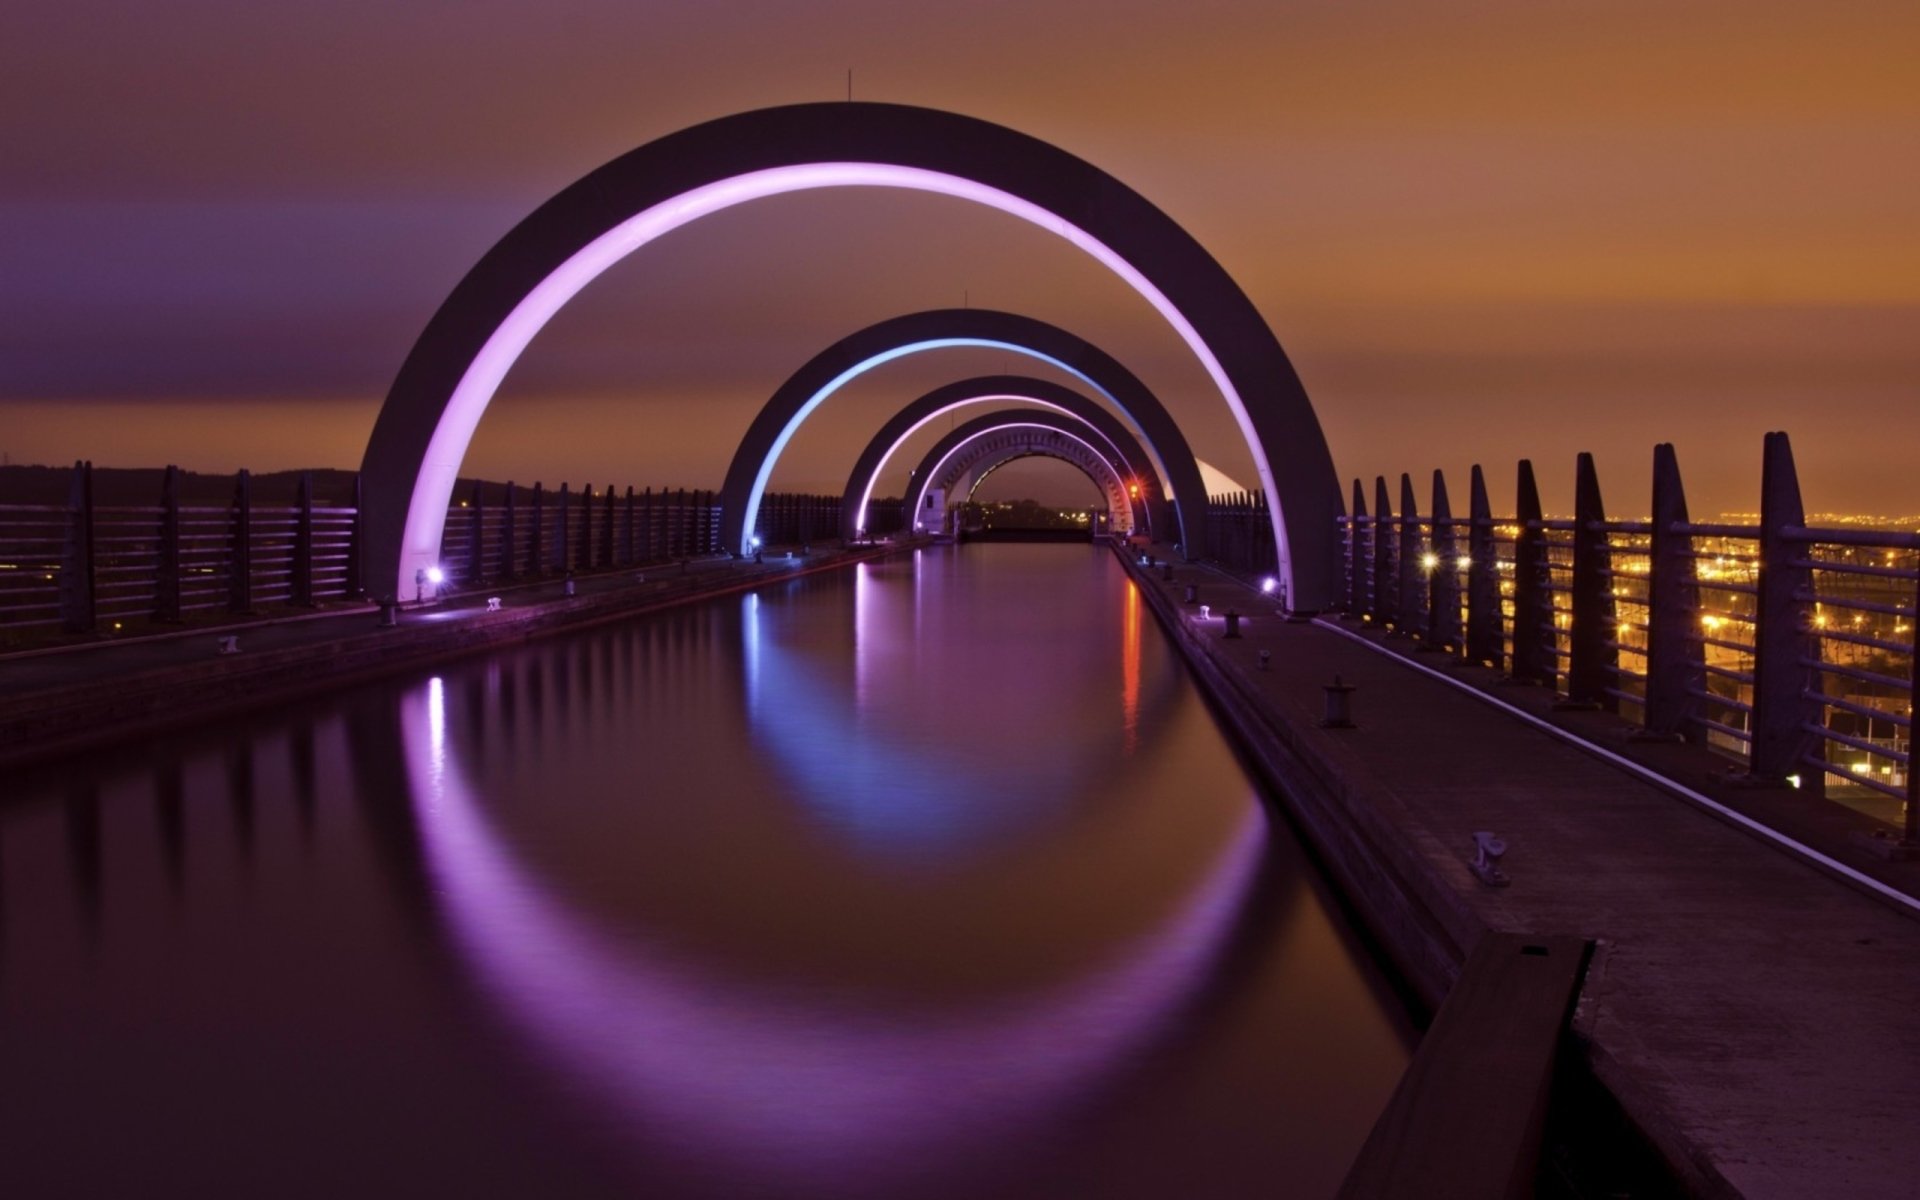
1758 1018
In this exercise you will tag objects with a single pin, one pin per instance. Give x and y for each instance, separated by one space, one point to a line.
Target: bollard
1233 624
389 612
756 558
229 644
1206 611
567 588
1266 656
1339 705
493 604
1193 594
1488 848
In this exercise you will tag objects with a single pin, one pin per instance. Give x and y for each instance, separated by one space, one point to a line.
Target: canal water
929 878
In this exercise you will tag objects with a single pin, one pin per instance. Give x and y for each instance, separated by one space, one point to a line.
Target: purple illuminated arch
974 448
481 329
914 333
989 389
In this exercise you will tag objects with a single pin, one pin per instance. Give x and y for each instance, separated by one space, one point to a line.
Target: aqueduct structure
414 454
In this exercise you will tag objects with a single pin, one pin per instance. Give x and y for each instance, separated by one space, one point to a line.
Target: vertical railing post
1532 601
77 578
583 557
1484 644
356 542
537 532
240 559
1675 658
476 536
1443 587
509 567
302 589
1412 595
1593 662
562 509
1386 607
1910 825
1783 641
166 583
1359 595
606 530
631 544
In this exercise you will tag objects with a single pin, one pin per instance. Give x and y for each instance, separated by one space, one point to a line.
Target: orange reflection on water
1130 667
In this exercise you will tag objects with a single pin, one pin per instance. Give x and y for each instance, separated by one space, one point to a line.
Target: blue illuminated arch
831 369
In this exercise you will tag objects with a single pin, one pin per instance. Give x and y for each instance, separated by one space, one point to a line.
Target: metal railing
1789 647
82 568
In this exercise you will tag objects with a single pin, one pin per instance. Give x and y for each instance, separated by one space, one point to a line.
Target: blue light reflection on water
634 910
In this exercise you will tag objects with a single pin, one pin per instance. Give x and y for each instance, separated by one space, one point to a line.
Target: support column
1443 585
508 567
477 537
1386 605
1783 641
1675 658
166 584
537 532
1484 618
1412 599
355 583
1593 662
630 542
1359 543
240 559
606 530
302 590
77 578
1532 602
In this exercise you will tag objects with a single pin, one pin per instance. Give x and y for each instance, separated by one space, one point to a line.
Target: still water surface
927 878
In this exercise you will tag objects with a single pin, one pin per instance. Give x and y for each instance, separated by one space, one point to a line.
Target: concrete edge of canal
95 695
1418 915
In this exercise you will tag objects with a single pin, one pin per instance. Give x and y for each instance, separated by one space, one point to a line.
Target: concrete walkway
1758 1019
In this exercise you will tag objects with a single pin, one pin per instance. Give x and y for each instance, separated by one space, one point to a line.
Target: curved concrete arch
969 451
988 389
942 328
453 370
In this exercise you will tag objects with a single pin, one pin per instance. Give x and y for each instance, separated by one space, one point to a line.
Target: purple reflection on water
774 1082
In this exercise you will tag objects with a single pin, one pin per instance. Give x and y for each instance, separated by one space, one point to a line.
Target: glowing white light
1268 584
433 489
436 576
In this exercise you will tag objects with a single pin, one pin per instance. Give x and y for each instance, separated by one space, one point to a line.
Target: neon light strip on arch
866 493
433 490
934 472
